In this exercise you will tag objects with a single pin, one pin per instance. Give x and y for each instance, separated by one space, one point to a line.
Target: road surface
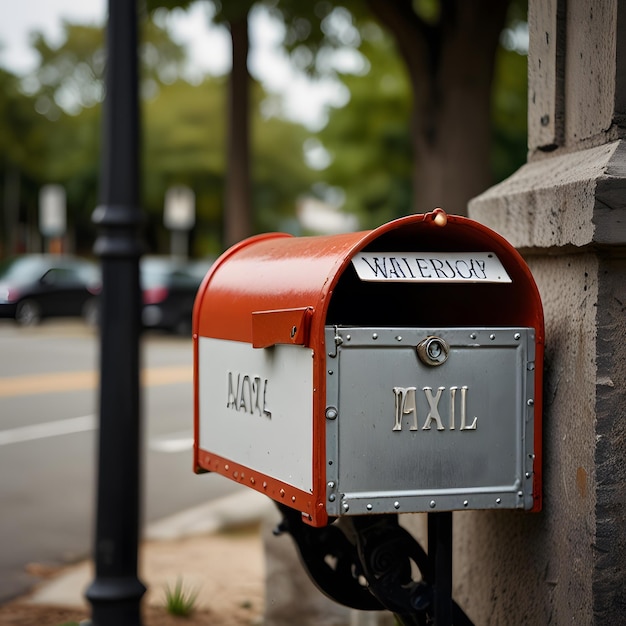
48 436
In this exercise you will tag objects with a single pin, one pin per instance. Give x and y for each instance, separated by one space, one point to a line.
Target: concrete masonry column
565 210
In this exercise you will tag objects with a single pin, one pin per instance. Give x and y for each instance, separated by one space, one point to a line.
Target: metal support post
440 557
116 592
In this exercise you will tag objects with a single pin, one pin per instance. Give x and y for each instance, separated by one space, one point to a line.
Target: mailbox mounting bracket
365 562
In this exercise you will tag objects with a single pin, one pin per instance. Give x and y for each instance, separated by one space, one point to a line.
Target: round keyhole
433 351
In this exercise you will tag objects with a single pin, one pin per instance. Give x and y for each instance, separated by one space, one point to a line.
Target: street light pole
116 592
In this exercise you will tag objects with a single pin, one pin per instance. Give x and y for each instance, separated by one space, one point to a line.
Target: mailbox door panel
256 407
416 436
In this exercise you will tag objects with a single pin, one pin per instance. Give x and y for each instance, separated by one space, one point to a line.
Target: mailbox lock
433 351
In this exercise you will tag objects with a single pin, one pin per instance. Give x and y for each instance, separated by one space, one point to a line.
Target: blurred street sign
52 211
180 208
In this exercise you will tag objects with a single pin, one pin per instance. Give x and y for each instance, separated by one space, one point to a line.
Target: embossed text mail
406 404
248 394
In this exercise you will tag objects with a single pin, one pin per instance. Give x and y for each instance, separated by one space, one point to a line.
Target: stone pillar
565 210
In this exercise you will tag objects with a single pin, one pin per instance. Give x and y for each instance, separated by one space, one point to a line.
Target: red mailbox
392 370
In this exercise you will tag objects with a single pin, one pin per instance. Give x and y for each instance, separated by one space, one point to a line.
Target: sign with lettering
256 406
405 404
439 267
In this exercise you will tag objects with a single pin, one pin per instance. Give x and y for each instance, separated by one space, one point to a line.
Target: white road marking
174 442
48 429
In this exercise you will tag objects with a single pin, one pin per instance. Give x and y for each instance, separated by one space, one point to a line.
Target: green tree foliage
17 117
369 139
50 127
71 159
36 151
57 114
184 144
449 51
279 172
19 131
48 137
238 210
450 55
68 77
510 103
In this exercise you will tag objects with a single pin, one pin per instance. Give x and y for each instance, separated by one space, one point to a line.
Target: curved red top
275 271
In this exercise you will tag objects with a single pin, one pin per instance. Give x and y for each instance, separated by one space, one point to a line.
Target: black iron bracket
369 562
330 559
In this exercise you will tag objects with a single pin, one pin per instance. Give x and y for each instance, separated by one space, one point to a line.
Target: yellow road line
76 381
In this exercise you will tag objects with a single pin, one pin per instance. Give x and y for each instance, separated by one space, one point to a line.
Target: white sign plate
52 211
437 267
256 407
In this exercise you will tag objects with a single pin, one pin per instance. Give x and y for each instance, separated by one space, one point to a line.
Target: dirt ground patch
225 569
16 614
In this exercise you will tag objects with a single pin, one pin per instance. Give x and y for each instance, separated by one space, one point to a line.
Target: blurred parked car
37 286
169 289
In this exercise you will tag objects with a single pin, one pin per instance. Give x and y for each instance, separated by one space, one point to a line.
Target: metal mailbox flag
392 370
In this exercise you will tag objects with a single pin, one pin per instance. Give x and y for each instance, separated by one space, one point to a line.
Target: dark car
37 286
169 290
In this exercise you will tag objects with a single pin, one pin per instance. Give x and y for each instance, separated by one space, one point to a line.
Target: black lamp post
116 592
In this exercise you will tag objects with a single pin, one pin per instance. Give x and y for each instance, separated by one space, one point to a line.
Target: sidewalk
214 549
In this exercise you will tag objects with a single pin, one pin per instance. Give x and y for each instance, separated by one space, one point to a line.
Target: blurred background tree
386 168
20 133
369 158
369 140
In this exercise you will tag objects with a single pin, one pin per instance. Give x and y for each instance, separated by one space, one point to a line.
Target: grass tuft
178 601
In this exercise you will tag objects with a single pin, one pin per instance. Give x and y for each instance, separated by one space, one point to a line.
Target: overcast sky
208 49
19 19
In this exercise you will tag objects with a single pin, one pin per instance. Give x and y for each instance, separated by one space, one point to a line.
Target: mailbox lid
411 437
313 279
271 281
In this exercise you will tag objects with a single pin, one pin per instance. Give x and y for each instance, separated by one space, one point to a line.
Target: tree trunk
450 66
238 205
